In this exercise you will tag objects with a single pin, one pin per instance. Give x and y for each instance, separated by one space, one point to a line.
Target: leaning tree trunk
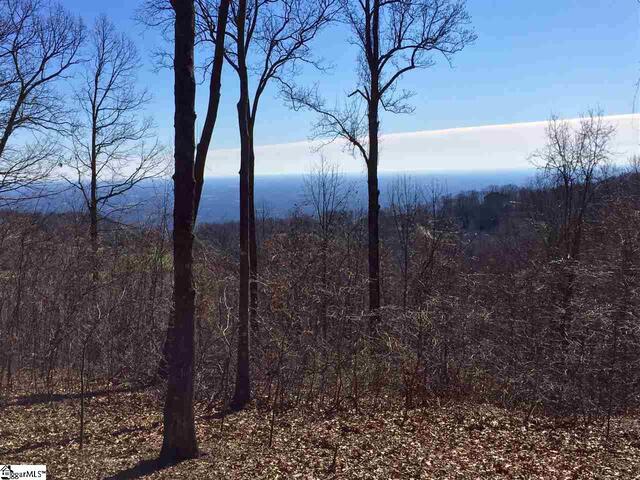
215 89
242 393
179 442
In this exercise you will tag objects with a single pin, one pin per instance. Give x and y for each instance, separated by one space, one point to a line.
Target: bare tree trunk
93 228
93 212
373 31
8 130
405 276
179 440
391 44
82 392
215 88
253 243
291 27
325 286
242 393
373 219
93 199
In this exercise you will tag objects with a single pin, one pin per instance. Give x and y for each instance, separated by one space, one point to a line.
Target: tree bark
93 228
253 242
373 227
215 87
242 393
372 47
93 201
8 130
179 442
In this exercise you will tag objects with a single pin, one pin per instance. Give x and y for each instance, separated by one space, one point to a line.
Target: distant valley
276 195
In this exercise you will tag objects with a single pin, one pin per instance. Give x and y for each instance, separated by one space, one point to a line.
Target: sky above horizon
484 148
560 57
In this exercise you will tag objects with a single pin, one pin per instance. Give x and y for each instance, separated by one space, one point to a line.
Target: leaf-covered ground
454 441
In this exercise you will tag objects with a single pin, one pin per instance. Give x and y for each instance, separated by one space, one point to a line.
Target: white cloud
474 148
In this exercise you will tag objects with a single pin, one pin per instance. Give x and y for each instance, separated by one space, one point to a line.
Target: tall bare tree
39 46
405 206
242 392
327 195
113 147
179 441
393 38
211 25
575 161
269 41
212 30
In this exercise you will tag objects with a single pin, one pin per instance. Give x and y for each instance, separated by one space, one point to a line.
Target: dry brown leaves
460 441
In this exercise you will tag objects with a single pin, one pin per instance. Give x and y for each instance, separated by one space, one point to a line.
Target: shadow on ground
143 468
37 398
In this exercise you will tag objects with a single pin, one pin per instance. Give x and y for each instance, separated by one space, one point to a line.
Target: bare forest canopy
452 322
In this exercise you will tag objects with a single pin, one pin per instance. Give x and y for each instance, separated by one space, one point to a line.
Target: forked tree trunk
215 88
179 442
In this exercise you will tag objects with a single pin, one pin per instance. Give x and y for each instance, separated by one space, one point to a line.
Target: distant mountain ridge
278 195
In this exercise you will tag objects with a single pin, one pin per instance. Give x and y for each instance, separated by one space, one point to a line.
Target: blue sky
531 59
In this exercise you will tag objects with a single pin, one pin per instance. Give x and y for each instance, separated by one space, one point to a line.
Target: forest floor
442 441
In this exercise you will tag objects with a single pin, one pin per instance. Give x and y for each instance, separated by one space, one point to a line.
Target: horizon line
434 170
